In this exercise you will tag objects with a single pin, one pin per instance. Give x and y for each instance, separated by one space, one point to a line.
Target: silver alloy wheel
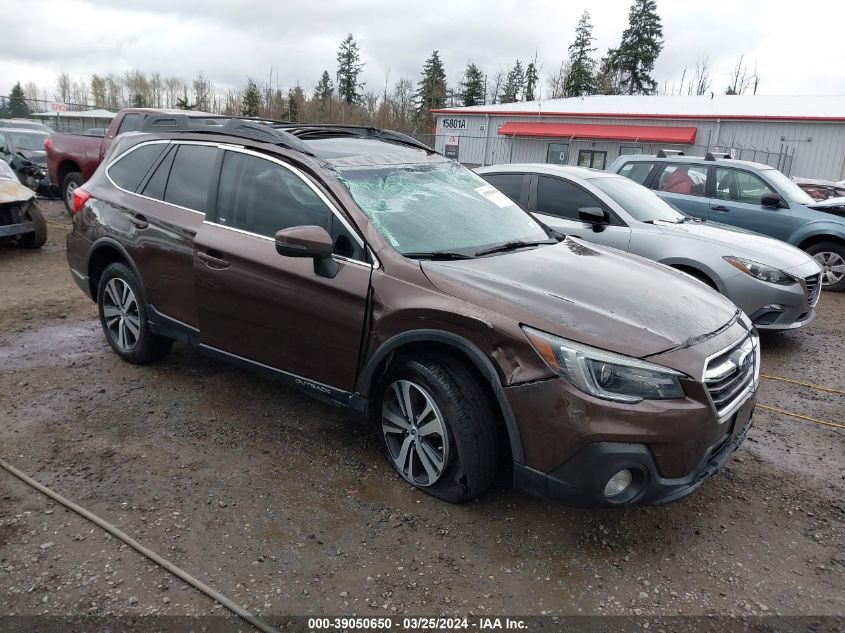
120 310
71 186
414 432
832 265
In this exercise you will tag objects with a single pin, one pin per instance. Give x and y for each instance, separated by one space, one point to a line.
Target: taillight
80 197
47 143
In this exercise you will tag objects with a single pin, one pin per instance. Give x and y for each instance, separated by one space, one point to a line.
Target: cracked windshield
436 208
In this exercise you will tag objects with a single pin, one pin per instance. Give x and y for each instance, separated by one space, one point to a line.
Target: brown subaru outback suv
365 269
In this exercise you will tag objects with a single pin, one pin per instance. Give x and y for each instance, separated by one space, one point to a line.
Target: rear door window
740 186
190 176
130 169
638 171
158 181
508 184
563 199
683 178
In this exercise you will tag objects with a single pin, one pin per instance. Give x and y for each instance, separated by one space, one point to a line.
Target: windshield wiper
441 255
511 246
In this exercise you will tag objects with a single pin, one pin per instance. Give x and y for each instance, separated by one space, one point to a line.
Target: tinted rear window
128 172
190 176
508 184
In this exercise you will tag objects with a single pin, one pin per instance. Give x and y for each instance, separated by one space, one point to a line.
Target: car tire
123 316
38 236
828 255
70 182
453 422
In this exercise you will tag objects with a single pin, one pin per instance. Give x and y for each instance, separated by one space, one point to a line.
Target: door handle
720 208
211 261
139 221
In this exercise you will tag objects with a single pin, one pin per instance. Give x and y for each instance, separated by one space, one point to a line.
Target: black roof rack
284 133
716 155
665 153
250 129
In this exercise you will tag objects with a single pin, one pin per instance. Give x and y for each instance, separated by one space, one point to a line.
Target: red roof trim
644 133
623 115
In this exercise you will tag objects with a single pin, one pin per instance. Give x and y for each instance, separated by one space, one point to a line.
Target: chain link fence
69 117
474 151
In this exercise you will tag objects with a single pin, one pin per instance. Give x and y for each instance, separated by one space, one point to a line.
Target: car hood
39 157
731 240
834 206
589 294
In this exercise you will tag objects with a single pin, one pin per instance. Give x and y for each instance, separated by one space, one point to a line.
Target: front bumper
581 479
773 306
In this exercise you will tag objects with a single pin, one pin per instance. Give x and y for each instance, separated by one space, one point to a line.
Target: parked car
819 189
23 151
363 268
25 124
776 285
72 158
748 195
20 217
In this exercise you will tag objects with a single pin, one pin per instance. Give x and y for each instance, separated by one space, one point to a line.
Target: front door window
592 158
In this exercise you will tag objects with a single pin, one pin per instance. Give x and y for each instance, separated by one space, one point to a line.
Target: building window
592 158
558 153
629 150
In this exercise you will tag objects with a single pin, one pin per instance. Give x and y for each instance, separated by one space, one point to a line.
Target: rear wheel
38 236
438 427
831 257
70 182
123 316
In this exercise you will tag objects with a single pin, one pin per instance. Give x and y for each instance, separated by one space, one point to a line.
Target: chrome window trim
133 193
339 258
241 149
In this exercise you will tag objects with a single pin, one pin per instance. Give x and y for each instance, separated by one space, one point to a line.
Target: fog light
618 483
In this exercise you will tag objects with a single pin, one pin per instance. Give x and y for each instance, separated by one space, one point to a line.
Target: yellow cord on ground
57 225
802 417
803 384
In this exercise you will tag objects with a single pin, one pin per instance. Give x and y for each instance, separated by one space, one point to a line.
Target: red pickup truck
73 158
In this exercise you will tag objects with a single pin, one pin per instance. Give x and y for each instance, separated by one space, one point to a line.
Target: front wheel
123 316
38 236
831 257
438 427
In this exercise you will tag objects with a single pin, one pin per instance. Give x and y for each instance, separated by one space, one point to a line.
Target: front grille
730 373
813 289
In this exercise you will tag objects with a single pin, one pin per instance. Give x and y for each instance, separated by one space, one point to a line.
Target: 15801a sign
455 124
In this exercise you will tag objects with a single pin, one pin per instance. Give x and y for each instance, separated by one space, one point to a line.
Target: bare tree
494 85
741 79
556 81
701 80
63 86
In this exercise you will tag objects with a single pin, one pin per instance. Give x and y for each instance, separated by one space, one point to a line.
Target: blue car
748 195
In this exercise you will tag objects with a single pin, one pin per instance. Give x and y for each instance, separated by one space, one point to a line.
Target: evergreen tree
251 100
349 67
532 76
138 100
16 105
324 89
431 90
514 84
183 104
641 44
581 79
296 98
472 87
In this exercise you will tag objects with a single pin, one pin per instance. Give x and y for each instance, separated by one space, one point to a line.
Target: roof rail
328 130
665 153
716 155
241 128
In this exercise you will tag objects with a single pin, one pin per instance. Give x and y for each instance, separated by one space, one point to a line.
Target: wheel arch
694 269
66 167
457 346
818 238
103 252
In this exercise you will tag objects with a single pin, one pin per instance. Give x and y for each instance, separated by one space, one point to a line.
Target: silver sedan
776 284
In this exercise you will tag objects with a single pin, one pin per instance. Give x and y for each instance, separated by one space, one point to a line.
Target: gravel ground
287 506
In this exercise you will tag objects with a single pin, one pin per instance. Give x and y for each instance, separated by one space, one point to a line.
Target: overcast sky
797 46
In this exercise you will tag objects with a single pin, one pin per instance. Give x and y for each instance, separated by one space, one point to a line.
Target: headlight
760 271
605 374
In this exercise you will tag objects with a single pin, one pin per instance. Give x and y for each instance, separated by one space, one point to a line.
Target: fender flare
368 378
675 262
109 242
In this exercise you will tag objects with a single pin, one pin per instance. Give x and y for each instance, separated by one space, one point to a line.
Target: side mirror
772 200
595 216
308 241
